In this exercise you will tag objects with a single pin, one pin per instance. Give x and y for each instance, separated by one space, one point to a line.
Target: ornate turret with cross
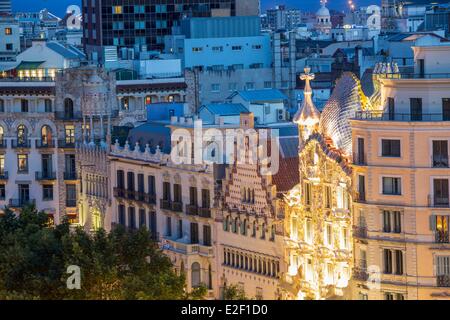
307 116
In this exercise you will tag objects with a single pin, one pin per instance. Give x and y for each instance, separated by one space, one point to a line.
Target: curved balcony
41 144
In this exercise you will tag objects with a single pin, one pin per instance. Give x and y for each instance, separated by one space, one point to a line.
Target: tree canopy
121 264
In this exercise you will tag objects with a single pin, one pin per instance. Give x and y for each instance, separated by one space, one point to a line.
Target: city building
134 24
5 6
282 18
9 37
401 181
318 211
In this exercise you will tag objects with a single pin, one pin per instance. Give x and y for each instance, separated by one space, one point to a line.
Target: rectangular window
440 225
206 235
141 188
47 192
166 191
131 218
48 105
8 31
71 195
416 109
121 212
151 185
120 183
142 218
215 87
2 192
236 48
130 181
206 202
440 192
180 229
193 196
392 221
177 196
117 9
24 106
390 148
308 195
440 154
197 49
361 188
391 108
22 163
387 261
168 226
328 197
391 186
398 262
360 158
194 233
443 266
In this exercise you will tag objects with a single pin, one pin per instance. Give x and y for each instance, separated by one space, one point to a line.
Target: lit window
8 31
117 9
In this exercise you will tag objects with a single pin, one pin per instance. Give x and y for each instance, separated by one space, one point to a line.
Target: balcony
70 175
186 248
16 144
360 274
4 175
402 117
45 176
20 203
130 194
204 212
71 203
165 204
119 192
438 202
191 209
66 143
68 116
443 281
177 206
439 161
442 237
407 76
360 232
150 198
45 144
359 159
3 144
360 197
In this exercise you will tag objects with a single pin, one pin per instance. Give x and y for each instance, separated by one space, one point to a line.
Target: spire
307 115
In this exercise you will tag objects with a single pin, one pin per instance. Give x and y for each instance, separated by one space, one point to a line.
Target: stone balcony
186 248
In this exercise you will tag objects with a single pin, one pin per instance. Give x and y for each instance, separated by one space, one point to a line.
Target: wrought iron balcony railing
16 144
20 203
45 175
404 117
443 281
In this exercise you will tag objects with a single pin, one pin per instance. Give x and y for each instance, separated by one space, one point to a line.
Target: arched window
22 134
195 275
1 134
68 108
148 100
46 135
182 268
244 227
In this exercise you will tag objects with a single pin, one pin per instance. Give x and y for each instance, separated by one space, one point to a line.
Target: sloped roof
69 52
261 95
225 109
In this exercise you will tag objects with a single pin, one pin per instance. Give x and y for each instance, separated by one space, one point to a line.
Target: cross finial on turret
307 76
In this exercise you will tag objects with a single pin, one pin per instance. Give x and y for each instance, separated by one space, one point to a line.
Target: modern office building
144 24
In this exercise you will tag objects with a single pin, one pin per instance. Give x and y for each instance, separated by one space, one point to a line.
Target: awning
29 65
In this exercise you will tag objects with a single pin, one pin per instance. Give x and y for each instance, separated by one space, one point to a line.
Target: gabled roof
225 109
260 95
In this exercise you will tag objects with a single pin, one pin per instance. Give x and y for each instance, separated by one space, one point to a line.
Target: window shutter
433 222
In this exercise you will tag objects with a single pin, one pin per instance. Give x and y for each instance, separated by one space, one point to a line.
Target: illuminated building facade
318 211
401 175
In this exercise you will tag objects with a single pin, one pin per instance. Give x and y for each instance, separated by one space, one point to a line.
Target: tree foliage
34 258
234 292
